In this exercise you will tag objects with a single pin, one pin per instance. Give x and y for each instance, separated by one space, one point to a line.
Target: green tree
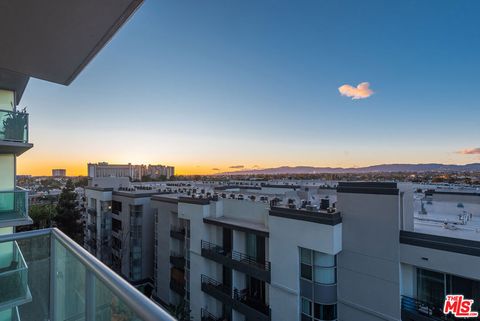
68 214
42 215
181 312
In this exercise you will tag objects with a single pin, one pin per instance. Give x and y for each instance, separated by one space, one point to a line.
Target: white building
134 172
372 257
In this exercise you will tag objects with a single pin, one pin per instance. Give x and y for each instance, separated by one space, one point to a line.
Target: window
324 260
324 271
116 207
324 275
306 271
325 312
306 256
431 286
317 266
116 225
306 263
306 306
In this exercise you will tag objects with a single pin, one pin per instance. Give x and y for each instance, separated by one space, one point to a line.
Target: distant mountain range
369 169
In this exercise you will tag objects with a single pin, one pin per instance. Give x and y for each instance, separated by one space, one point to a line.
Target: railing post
89 295
53 279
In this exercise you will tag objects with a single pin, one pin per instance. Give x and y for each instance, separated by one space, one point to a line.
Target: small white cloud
362 91
469 151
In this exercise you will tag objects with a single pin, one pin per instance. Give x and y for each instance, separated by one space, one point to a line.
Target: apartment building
59 172
135 172
160 171
365 251
119 231
44 275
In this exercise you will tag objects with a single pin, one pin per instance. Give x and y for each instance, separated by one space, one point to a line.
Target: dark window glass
325 312
431 287
306 271
306 307
116 225
116 207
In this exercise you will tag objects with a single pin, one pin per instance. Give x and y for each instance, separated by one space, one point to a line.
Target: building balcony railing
252 308
416 309
177 286
177 233
68 283
13 126
216 289
14 208
250 305
207 316
13 277
247 264
177 260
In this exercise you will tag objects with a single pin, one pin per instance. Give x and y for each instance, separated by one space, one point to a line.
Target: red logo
460 307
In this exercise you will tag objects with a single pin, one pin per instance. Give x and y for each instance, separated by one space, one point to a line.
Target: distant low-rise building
59 172
135 172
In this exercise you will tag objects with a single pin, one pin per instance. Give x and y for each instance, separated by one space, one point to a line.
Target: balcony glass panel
13 205
13 126
13 276
68 283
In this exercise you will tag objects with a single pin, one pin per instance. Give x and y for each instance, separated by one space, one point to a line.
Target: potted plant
14 125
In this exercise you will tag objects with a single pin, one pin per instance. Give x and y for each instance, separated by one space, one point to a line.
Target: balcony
252 308
417 310
178 287
13 277
68 283
14 208
207 316
247 264
217 290
177 260
14 132
177 233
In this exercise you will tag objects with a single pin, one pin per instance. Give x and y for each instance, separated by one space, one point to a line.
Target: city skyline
271 84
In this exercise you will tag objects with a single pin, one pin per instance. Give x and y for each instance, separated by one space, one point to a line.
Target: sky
211 86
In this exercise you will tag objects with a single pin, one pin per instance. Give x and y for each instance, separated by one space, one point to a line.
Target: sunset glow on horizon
261 85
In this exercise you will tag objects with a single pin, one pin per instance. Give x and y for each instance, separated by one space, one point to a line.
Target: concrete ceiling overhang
13 81
54 40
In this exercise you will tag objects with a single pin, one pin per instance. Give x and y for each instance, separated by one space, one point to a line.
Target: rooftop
450 219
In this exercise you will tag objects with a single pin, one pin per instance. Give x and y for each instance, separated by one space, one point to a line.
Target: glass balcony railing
68 283
13 126
13 205
13 277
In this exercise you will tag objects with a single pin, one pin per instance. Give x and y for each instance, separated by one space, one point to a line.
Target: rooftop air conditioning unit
311 208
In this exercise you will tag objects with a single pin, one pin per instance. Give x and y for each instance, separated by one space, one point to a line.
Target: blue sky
212 84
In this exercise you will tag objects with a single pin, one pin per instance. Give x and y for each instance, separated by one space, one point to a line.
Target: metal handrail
425 308
144 308
257 304
219 285
207 316
237 256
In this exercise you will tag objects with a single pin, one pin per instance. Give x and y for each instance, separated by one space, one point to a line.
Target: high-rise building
57 172
44 275
134 172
